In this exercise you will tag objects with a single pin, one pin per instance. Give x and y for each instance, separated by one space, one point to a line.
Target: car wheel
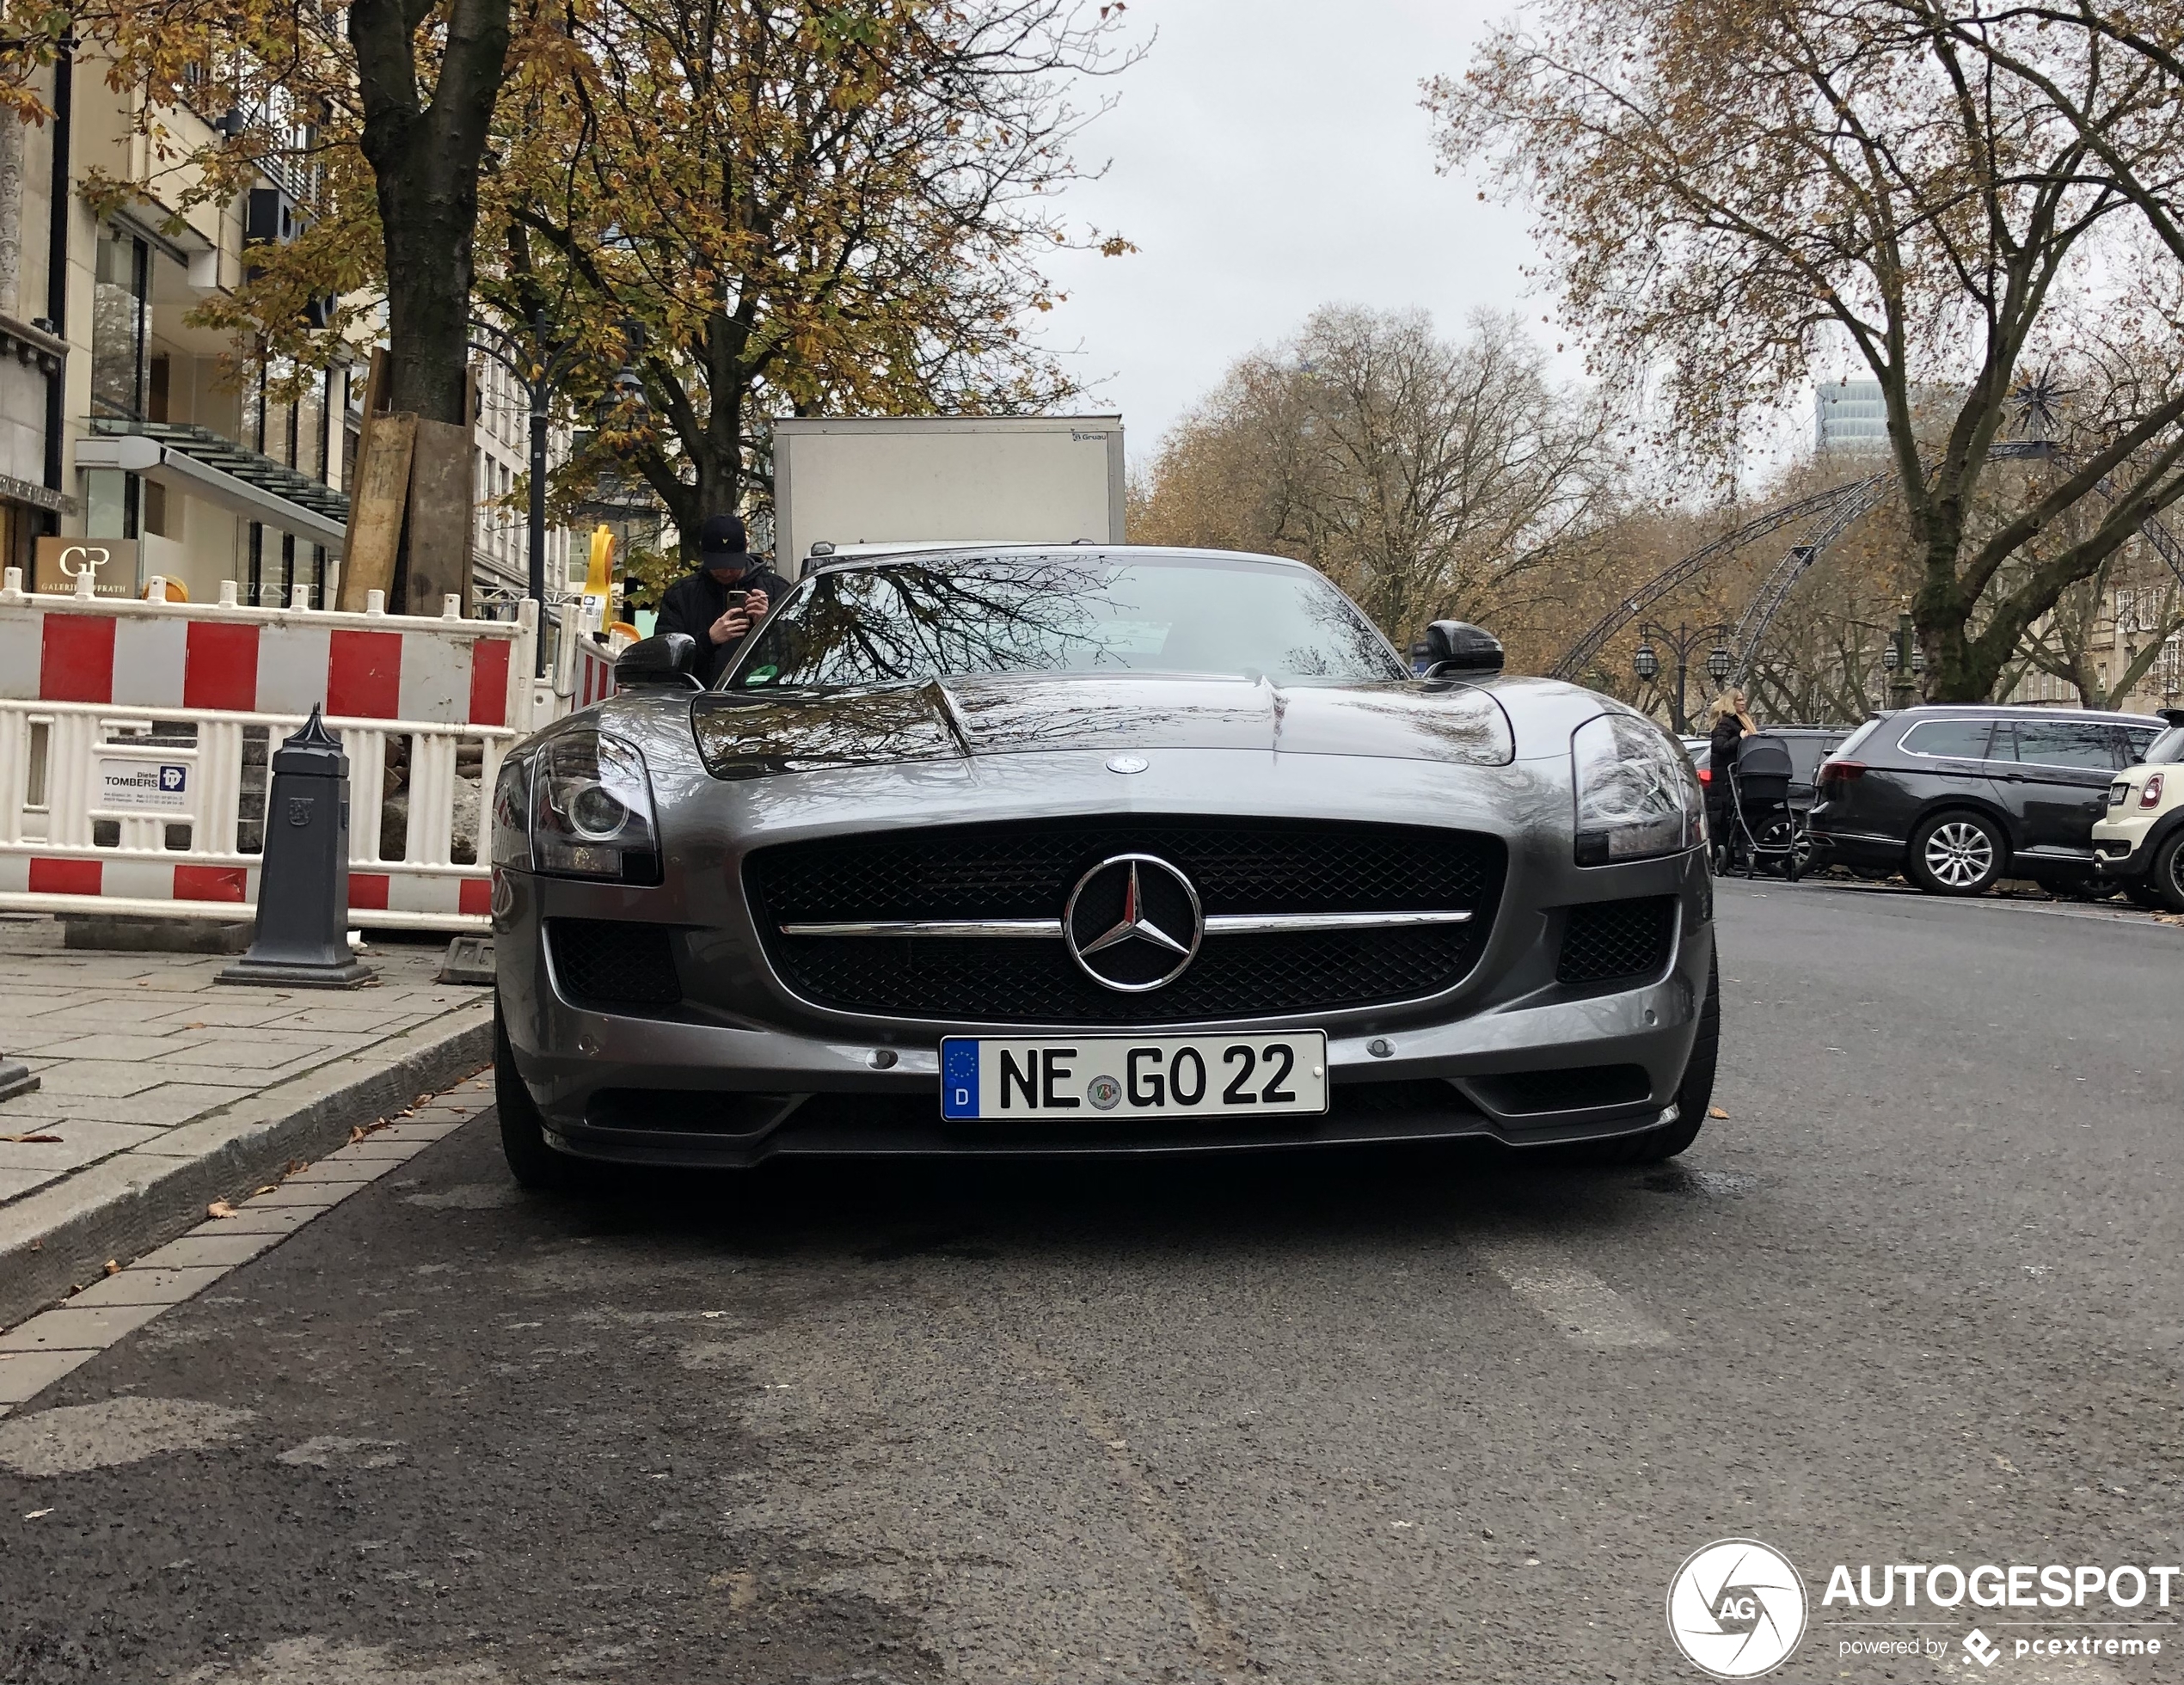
522 1129
1693 1094
2167 878
1957 854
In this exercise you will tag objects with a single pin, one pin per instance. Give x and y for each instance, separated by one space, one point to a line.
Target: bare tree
1724 186
1428 477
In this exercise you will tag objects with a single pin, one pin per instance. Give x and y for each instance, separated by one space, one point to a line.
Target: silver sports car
1094 850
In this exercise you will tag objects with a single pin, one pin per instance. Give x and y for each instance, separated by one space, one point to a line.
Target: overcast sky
1268 156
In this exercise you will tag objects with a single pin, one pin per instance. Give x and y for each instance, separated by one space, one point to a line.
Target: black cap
722 536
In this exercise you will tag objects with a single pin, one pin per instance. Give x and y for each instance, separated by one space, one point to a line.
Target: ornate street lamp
1681 642
1893 657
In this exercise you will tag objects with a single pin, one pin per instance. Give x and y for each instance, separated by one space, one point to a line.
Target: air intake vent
1586 1088
1613 941
606 964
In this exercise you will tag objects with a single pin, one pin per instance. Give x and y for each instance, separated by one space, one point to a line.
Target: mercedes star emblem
1132 923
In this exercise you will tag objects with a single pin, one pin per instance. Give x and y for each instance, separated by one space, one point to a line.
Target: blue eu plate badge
959 1078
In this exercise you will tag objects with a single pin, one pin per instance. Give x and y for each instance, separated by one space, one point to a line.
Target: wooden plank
376 506
375 400
441 517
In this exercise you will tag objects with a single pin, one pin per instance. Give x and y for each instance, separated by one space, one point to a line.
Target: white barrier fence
136 738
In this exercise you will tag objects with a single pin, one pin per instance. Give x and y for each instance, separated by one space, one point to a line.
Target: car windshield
965 616
2168 750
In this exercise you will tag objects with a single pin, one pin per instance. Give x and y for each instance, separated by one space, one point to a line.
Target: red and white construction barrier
87 685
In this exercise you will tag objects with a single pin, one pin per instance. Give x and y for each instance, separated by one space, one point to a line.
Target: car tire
1957 853
2166 879
522 1128
1693 1094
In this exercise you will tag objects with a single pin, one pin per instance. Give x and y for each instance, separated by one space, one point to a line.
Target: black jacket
1726 740
693 604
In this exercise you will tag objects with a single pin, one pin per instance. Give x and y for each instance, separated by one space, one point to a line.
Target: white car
2138 840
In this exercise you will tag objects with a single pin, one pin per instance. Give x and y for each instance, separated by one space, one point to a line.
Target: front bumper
1510 1057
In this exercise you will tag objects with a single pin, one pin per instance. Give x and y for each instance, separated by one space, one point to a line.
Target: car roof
923 552
2018 711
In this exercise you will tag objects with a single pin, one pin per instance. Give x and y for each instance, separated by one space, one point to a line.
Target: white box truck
868 483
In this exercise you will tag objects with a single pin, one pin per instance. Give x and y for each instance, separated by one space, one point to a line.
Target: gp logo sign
1736 1609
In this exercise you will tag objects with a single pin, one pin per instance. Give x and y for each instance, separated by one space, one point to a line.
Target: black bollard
302 937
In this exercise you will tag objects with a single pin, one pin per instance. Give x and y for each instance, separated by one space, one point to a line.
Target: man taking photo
701 605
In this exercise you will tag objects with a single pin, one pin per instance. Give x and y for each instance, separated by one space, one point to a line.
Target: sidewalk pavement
35 1354
168 1090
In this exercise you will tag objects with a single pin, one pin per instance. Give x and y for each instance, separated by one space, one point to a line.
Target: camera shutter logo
1736 1609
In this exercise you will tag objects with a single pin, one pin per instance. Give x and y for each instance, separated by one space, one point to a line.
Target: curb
129 1205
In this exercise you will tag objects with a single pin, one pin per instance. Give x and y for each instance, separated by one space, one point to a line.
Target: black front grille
1605 942
1027 870
605 963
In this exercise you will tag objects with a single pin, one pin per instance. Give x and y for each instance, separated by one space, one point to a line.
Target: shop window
120 313
113 503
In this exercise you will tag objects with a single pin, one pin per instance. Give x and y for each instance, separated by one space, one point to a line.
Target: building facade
139 444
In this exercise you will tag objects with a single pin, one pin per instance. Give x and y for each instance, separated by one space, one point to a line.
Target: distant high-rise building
1849 415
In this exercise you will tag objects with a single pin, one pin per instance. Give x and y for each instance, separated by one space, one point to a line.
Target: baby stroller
1762 828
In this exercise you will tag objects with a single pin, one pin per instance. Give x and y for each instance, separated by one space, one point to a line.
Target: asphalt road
1399 1418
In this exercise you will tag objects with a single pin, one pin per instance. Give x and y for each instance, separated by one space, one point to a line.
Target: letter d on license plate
1090 1078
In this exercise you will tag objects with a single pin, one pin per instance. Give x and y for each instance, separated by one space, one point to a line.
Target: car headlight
1637 797
590 809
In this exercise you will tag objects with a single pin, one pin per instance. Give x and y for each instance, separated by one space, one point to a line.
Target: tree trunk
425 159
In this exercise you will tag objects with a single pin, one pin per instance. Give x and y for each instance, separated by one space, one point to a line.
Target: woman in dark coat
1731 724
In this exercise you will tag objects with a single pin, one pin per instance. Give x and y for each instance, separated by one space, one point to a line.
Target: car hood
743 736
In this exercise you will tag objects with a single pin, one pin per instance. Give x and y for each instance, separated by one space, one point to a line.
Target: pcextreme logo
1736 1609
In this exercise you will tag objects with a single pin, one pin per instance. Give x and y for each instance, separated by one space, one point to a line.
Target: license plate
1091 1077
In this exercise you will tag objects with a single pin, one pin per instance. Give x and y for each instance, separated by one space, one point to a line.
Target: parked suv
1953 797
2139 840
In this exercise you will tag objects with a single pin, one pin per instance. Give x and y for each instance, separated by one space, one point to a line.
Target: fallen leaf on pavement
34 1514
113 1266
219 1208
1715 1112
33 1139
295 1165
193 1026
270 1187
356 1134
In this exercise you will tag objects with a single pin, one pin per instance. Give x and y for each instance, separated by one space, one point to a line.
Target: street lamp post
1905 661
1681 641
537 375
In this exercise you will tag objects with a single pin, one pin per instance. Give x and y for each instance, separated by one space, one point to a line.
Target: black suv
1953 797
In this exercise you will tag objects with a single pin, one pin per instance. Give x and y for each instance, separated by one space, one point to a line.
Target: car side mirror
1454 646
665 660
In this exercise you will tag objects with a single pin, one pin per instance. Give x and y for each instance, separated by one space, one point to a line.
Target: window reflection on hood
963 616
